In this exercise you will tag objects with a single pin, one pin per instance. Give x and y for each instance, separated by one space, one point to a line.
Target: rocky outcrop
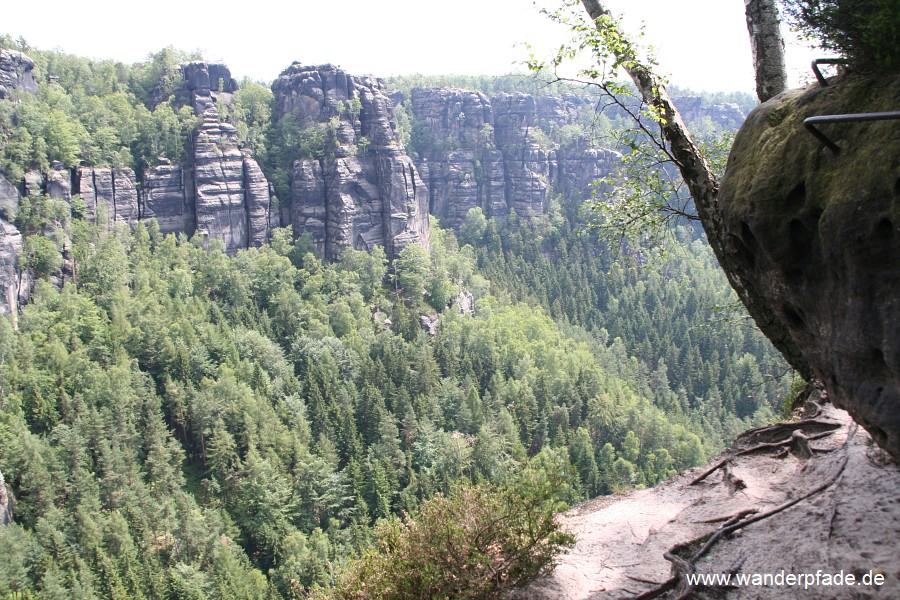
232 199
728 115
816 236
365 191
575 168
58 183
110 194
9 199
262 205
526 163
13 283
218 191
475 152
462 167
168 197
219 183
16 73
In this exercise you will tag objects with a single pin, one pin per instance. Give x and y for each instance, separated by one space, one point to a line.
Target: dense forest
180 423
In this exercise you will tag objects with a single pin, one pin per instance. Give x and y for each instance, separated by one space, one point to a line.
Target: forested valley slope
244 325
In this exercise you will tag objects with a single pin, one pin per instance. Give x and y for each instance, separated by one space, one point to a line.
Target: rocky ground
851 524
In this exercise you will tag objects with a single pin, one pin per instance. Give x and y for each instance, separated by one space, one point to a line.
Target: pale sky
701 44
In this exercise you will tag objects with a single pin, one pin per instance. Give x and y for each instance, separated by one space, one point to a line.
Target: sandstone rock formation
575 168
168 197
110 194
219 190
6 515
16 72
459 161
816 234
475 152
9 199
727 114
232 199
365 191
13 283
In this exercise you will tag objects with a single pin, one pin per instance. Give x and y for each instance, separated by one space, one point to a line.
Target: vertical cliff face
475 152
218 191
232 200
13 283
168 197
463 168
16 72
576 167
364 191
527 165
110 194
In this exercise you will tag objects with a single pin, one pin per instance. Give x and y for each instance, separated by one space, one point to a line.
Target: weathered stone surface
261 203
476 152
558 110
231 197
110 194
208 77
464 170
726 114
59 182
577 167
13 283
9 199
168 197
219 184
366 192
311 93
125 196
16 73
817 236
452 114
34 183
308 211
6 514
526 164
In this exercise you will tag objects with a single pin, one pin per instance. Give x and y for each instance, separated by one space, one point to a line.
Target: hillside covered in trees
182 422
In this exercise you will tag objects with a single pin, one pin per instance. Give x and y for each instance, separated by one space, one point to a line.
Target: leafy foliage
476 542
179 422
864 31
94 113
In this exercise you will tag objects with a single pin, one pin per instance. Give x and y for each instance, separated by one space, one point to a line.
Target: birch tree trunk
704 188
768 47
5 512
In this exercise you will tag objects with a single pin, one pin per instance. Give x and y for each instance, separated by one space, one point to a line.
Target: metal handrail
811 122
825 61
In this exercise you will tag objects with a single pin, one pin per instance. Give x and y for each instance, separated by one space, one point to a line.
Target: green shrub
864 31
476 542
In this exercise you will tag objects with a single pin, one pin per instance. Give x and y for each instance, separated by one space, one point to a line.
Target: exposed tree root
761 447
780 431
686 566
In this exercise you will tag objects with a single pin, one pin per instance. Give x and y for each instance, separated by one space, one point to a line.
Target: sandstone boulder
816 235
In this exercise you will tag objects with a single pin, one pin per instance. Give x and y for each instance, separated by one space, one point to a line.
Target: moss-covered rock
817 235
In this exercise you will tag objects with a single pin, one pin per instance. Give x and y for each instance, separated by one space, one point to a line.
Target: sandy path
855 527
